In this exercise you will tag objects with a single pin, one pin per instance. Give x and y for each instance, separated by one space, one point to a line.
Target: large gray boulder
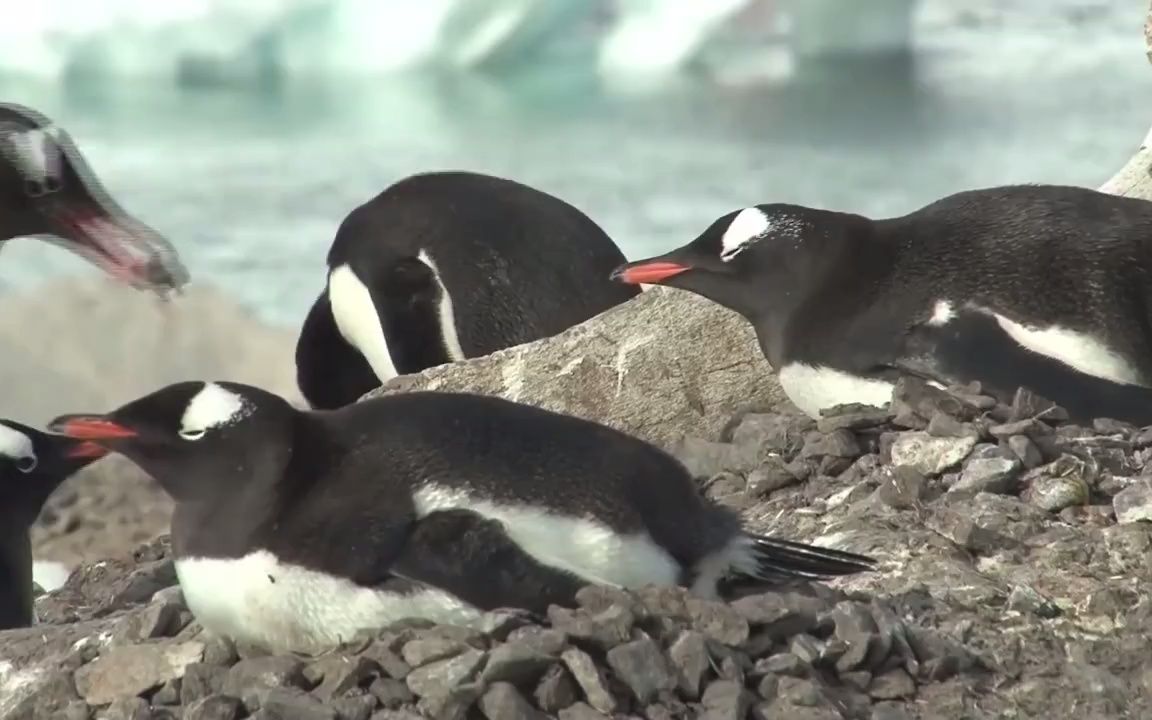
663 365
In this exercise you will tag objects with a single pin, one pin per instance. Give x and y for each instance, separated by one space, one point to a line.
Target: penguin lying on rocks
296 529
1046 287
445 266
32 465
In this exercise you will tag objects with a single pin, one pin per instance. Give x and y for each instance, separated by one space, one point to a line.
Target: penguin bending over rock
1048 287
445 266
48 190
32 465
296 529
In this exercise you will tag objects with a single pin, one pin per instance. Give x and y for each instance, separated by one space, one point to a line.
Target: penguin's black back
519 264
345 503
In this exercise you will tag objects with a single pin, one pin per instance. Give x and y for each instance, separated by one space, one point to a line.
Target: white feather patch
749 225
213 407
358 322
284 607
581 546
445 313
815 388
15 444
1077 350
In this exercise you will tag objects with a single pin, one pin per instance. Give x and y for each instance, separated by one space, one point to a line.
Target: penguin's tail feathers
774 559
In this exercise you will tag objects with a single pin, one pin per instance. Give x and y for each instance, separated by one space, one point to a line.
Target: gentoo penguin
48 190
445 266
1047 287
32 466
295 529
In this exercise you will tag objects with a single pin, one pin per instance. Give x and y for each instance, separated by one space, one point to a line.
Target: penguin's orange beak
647 271
89 427
86 450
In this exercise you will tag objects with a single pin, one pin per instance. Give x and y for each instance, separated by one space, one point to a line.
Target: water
251 184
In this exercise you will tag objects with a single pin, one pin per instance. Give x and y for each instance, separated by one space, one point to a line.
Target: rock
988 474
942 425
502 701
902 487
555 690
771 475
590 680
443 675
704 458
799 691
357 707
270 671
770 433
1028 405
782 664
290 702
779 615
643 668
391 662
131 670
169 692
516 663
838 443
219 651
339 674
200 680
1134 503
726 700
857 629
689 656
605 368
1054 493
546 641
1026 599
851 417
391 693
603 630
914 402
1026 450
930 455
892 685
213 707
580 711
425 650
451 704
128 709
717 620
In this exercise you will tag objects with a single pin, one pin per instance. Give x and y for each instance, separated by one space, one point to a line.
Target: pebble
213 707
1056 492
930 455
443 675
771 475
1134 503
590 679
1026 450
130 670
556 690
502 701
988 474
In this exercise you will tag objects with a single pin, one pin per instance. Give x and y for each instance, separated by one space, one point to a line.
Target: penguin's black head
756 261
193 437
32 466
48 190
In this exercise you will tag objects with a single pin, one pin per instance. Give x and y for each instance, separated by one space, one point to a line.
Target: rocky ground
1013 548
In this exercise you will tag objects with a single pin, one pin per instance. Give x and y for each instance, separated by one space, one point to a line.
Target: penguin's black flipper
782 559
471 557
972 346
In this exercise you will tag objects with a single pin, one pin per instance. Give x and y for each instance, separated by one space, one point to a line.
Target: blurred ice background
247 129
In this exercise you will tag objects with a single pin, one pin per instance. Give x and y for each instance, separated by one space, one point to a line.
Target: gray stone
1134 503
590 679
219 651
604 630
75 710
1056 492
169 692
441 676
605 368
546 641
399 714
779 614
799 691
643 668
705 458
555 690
1028 452
717 620
892 685
930 455
452 704
941 425
388 659
726 700
1025 599
339 674
838 443
130 670
856 628
806 647
689 655
851 417
580 711
783 710
154 621
782 664
989 474
213 707
127 709
1028 405
391 693
890 711
770 476
901 487
201 680
516 663
258 673
358 707
1026 428
502 701
425 650
293 703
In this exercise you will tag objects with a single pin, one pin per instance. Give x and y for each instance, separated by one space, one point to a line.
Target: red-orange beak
87 450
647 271
89 427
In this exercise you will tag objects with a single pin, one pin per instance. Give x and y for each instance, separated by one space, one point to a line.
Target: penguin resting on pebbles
296 529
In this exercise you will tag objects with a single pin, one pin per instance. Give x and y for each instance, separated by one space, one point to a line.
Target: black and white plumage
32 465
47 190
295 529
445 266
1047 287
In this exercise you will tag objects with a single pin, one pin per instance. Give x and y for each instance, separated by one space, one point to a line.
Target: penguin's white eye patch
38 156
750 225
212 407
16 446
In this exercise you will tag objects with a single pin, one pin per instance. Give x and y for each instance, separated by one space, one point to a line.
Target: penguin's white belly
284 607
579 545
814 388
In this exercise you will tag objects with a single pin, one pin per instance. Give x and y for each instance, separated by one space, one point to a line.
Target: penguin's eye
192 434
26 464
